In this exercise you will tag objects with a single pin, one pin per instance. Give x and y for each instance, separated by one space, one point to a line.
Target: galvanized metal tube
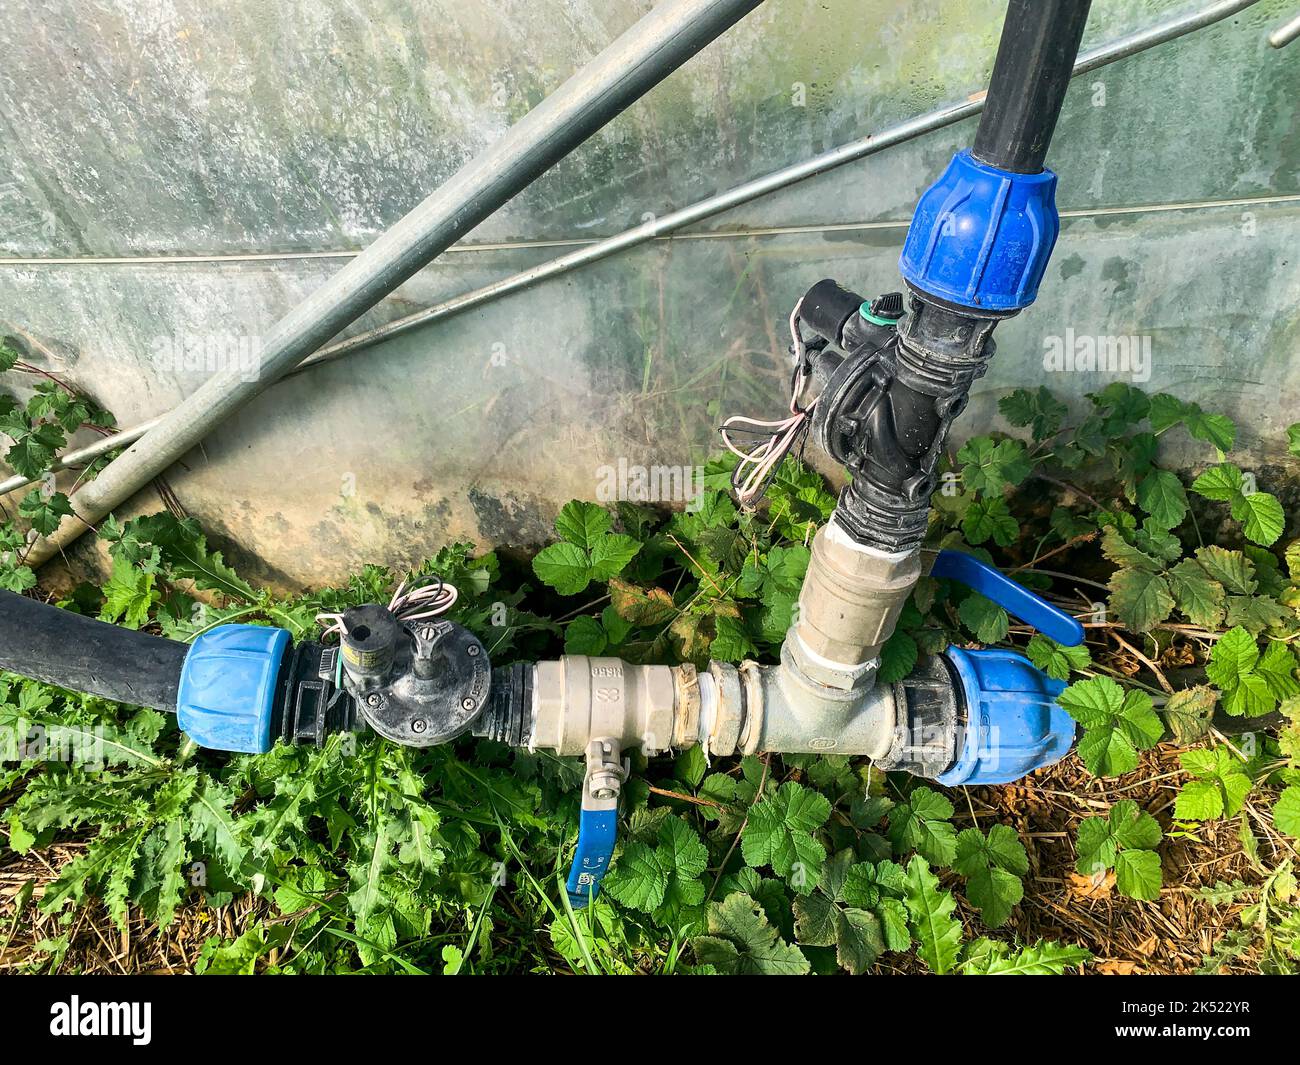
1098 57
1285 34
83 455
639 59
905 131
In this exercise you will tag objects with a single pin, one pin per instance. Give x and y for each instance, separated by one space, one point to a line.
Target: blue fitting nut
1013 723
227 689
981 237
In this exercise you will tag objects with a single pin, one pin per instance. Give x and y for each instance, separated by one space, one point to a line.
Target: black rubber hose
1040 42
84 655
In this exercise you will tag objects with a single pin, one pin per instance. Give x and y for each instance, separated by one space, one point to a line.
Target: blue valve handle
597 830
1015 599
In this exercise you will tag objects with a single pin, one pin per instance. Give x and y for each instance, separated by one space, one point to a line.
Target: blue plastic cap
227 689
1014 725
981 237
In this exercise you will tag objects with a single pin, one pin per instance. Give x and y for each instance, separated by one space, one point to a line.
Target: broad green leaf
1137 874
995 893
1197 596
564 567
16 578
1255 613
1041 412
1140 599
582 523
1133 827
641 606
1222 482
1057 660
1160 493
44 512
1139 721
990 519
639 878
569 568
691 765
930 908
128 595
1286 811
1261 516
1157 541
898 658
784 568
1233 670
155 540
34 448
1232 569
1125 840
921 824
1166 411
610 554
1233 657
815 920
1199 800
1293 559
1092 702
988 621
1251 697
1107 752
993 867
988 466
780 831
584 636
859 940
893 924
1095 846
1188 713
1216 429
732 642
1045 958
866 884
682 849
1124 554
740 941
1277 665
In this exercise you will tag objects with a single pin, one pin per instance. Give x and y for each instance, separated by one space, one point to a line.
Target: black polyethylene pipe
1040 42
84 655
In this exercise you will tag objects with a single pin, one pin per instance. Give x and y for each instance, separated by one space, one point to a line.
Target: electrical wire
333 625
421 600
761 459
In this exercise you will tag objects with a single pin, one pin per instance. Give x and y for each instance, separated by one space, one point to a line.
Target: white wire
333 624
422 601
766 455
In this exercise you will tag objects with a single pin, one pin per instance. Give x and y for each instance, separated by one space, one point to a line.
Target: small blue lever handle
597 830
1015 599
